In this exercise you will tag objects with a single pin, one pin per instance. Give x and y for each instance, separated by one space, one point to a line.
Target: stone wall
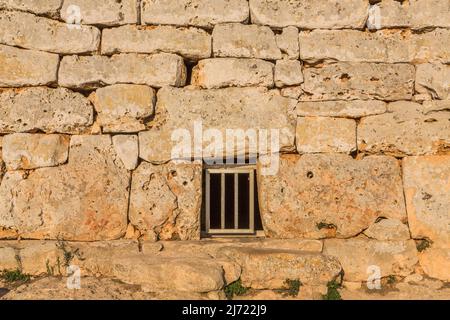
361 91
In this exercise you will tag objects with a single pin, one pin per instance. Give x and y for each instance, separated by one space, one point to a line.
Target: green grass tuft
332 291
235 289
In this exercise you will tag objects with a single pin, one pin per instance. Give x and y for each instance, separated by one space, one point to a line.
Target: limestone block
288 73
288 43
127 149
388 229
436 263
433 80
345 109
41 7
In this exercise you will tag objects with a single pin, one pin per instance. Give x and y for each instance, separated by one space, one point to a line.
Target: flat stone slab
432 80
344 109
41 7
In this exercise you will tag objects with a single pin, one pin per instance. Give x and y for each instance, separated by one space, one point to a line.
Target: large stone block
90 72
31 151
436 263
127 149
100 12
388 229
180 113
85 200
19 67
352 81
202 13
49 110
245 41
345 109
427 190
288 73
32 32
288 43
433 80
191 43
41 7
166 200
318 14
405 130
326 195
232 72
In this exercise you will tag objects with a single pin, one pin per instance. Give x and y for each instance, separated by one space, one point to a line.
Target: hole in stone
310 175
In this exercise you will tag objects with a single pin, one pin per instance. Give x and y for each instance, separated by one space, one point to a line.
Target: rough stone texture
245 41
322 134
42 7
202 13
69 201
436 262
436 105
191 43
288 43
166 200
318 196
9 260
29 31
335 14
353 81
357 255
427 190
178 110
231 72
382 46
31 151
101 12
388 229
90 72
123 107
50 110
433 80
345 109
19 67
405 130
127 148
288 73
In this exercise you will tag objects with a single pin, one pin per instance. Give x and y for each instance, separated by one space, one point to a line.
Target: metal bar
208 201
251 200
236 200
222 201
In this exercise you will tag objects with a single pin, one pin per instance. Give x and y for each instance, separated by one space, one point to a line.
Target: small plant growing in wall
235 289
324 225
423 244
293 287
68 253
11 276
332 291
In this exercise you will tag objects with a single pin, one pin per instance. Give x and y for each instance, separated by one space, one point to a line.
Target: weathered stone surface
435 262
388 229
2 164
85 200
179 112
123 107
165 200
269 268
202 13
100 12
42 7
127 148
26 30
323 134
335 14
231 72
31 151
427 190
288 73
352 81
191 43
50 110
382 46
8 259
90 72
19 67
435 105
405 130
288 43
345 109
357 255
331 195
433 80
245 41
293 92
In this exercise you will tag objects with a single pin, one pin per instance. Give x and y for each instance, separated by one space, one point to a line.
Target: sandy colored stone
344 109
357 255
127 148
388 229
410 131
427 190
49 110
331 195
179 112
100 12
323 134
26 30
433 80
435 105
435 262
232 72
335 14
288 73
353 81
85 200
245 41
90 72
293 92
202 13
166 200
191 43
19 67
288 43
41 7
123 107
8 259
31 151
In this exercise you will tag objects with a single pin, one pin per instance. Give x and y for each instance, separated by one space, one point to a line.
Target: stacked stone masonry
91 93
